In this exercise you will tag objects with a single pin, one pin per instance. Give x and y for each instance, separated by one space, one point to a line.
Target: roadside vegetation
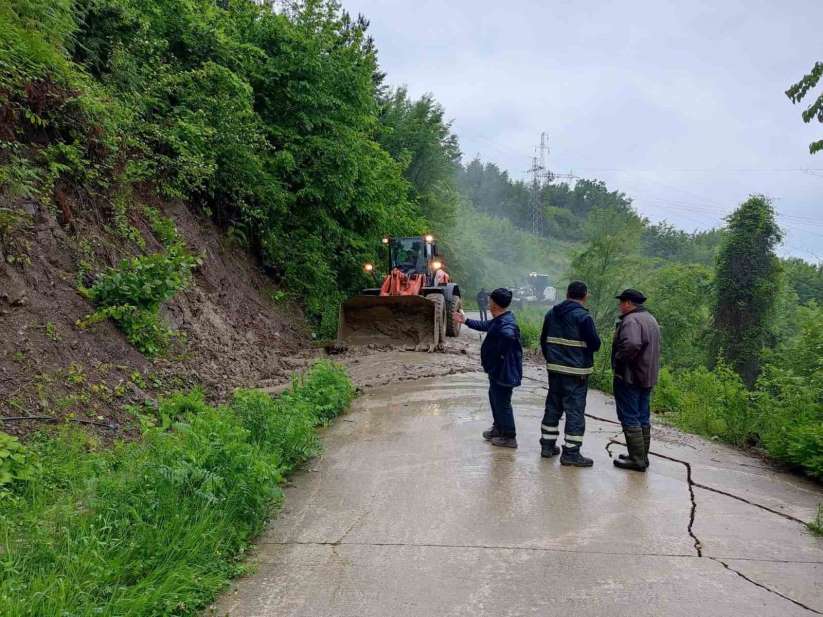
816 526
274 121
157 526
743 340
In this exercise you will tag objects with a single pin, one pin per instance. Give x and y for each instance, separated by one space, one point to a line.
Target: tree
417 135
799 90
806 279
680 299
747 284
663 240
606 264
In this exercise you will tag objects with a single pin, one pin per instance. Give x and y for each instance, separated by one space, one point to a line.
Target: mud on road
410 512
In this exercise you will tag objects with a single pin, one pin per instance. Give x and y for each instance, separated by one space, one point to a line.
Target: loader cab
412 254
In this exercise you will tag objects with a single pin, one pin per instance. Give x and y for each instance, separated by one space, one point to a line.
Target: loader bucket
391 320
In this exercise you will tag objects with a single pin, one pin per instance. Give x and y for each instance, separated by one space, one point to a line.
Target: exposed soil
371 367
232 331
381 320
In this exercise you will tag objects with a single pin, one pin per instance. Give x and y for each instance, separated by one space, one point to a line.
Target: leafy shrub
131 293
791 411
326 390
783 413
16 463
286 423
816 526
530 321
156 527
286 427
711 403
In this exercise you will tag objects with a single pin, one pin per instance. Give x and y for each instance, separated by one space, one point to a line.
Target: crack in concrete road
751 503
537 549
534 549
692 483
764 587
698 546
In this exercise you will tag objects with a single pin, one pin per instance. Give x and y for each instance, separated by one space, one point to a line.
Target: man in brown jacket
635 362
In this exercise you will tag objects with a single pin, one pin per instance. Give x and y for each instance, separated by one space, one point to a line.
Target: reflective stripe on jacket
569 339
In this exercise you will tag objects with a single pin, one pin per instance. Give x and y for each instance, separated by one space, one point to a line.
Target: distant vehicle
537 291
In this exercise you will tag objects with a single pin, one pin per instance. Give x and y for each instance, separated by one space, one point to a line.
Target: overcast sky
680 104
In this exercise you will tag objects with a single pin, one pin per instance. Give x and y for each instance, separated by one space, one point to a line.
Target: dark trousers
483 315
632 404
500 399
567 395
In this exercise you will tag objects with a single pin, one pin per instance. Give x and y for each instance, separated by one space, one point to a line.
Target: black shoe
548 449
636 459
504 442
573 458
491 433
647 442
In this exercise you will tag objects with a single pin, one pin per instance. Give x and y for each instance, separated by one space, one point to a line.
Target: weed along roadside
155 526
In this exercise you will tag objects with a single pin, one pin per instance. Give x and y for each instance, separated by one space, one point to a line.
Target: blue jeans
567 395
500 399
632 404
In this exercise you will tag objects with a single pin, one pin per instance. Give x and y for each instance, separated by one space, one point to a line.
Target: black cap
632 295
502 297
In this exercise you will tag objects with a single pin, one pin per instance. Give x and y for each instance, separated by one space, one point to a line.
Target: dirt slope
233 332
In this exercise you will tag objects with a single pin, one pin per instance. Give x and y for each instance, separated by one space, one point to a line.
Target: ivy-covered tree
799 91
747 284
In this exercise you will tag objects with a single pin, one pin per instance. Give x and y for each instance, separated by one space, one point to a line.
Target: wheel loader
414 304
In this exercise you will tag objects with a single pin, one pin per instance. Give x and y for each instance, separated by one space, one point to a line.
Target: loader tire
453 304
439 318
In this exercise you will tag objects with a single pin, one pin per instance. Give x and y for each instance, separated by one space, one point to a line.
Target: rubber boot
636 460
491 433
548 448
647 440
572 457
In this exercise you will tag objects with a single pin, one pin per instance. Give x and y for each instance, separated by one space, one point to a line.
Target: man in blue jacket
568 341
502 359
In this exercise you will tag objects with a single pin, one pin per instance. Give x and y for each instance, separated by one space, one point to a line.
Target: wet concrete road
410 513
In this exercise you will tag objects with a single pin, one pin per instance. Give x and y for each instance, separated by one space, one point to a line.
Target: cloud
678 104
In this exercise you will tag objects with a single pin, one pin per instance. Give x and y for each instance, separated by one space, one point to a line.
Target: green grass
781 414
816 526
156 527
530 320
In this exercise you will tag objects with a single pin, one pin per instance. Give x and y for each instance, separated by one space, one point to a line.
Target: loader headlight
429 238
436 265
369 267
